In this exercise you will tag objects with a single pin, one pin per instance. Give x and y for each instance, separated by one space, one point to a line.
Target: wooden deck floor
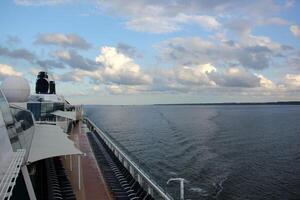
92 181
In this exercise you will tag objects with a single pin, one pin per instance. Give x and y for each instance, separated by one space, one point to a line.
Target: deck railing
142 177
9 179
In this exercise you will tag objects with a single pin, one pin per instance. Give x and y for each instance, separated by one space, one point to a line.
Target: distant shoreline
233 103
205 104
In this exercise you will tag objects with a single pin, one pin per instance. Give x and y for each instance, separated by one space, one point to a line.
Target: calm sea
224 152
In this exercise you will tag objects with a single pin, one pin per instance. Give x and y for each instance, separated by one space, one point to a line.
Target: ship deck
92 183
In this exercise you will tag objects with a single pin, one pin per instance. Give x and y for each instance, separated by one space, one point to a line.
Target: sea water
223 152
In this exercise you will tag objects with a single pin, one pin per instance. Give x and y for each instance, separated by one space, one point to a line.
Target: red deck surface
93 181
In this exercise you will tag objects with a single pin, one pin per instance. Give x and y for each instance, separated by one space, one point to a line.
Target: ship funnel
42 83
52 87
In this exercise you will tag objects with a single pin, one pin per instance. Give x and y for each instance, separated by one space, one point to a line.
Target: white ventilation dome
16 89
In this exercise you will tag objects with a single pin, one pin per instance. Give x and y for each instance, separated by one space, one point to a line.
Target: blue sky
145 52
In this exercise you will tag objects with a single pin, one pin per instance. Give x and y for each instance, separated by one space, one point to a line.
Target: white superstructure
32 128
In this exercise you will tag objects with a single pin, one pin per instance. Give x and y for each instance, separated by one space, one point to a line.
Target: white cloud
41 2
65 55
236 77
7 70
292 80
295 30
191 75
169 16
119 68
96 88
266 83
160 17
166 24
152 25
112 68
78 75
205 21
115 89
173 7
63 40
126 89
193 78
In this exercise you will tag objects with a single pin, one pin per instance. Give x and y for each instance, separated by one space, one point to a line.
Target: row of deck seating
121 183
59 186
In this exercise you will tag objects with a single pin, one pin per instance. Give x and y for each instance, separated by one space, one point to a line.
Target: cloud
171 15
160 17
111 68
289 3
252 52
186 51
115 89
119 68
63 40
78 75
96 88
254 57
266 83
236 77
197 78
48 64
166 24
74 60
11 40
293 61
25 54
295 30
273 21
205 21
41 2
118 74
17 54
152 25
128 50
191 75
173 7
292 80
7 70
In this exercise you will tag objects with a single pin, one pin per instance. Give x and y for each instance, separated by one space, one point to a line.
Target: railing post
125 164
79 172
150 190
28 183
131 170
140 180
70 159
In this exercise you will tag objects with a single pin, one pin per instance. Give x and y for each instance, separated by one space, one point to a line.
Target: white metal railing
133 168
10 177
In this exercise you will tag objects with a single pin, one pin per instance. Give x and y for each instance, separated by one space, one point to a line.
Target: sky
155 51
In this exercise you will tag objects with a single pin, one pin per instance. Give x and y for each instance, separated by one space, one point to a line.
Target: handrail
145 176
